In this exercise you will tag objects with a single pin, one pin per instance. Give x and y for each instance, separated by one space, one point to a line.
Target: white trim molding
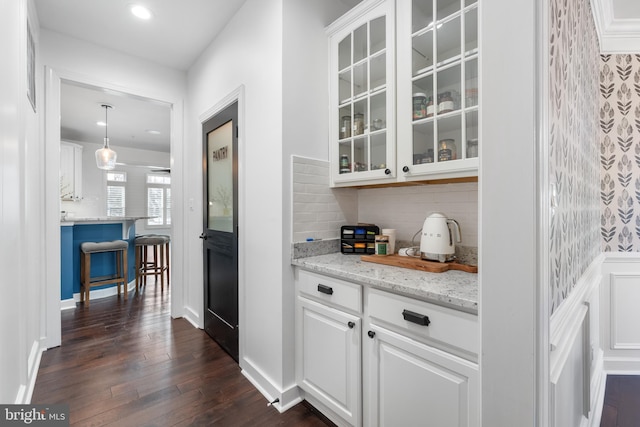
617 35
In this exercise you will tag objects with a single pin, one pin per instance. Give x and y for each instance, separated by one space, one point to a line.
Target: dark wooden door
220 235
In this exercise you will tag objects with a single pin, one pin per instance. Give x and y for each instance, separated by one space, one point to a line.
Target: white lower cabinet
366 357
409 383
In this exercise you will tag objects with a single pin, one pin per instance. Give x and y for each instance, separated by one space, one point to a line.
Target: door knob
203 236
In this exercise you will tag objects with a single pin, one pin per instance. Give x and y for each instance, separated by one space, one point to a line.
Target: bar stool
120 277
159 245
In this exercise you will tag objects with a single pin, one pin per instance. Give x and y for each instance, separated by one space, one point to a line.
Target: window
116 193
158 199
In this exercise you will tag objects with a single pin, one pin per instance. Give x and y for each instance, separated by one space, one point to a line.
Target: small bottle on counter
382 245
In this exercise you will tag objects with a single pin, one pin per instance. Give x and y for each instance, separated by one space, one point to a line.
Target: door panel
220 224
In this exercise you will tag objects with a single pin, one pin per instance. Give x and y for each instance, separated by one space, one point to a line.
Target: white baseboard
96 294
192 317
25 391
286 398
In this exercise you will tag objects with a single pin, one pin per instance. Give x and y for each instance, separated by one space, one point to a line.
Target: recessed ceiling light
141 11
153 132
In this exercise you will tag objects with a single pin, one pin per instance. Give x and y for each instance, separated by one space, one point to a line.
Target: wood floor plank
128 363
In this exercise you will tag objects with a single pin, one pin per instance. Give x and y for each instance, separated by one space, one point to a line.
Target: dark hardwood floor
127 363
621 401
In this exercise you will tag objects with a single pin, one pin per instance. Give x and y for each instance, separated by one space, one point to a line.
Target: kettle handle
457 228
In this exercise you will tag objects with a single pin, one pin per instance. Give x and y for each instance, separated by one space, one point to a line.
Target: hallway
127 363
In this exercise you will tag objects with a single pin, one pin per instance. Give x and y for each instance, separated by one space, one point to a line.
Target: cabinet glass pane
378 112
379 151
448 89
422 14
360 85
422 53
360 155
423 143
344 53
423 87
450 138
344 154
360 118
446 8
378 35
471 83
344 122
360 50
378 71
471 32
472 134
470 2
448 37
344 86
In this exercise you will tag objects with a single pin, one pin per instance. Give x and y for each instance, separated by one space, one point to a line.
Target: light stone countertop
454 289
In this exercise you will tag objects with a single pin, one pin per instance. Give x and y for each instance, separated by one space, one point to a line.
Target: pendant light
105 156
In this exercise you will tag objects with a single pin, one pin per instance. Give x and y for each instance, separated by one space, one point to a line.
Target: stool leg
125 275
87 277
166 254
161 267
145 262
82 255
137 250
118 268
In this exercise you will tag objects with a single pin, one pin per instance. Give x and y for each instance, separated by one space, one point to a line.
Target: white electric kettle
438 242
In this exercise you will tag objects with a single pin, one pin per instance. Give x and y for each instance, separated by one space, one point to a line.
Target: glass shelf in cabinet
422 52
446 8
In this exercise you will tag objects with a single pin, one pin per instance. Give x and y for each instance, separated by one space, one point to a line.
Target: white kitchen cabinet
419 363
370 357
362 81
431 99
409 383
328 350
70 171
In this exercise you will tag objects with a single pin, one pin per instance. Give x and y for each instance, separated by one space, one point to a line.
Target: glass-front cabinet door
437 89
362 82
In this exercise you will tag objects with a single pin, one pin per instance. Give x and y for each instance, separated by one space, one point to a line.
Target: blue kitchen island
75 231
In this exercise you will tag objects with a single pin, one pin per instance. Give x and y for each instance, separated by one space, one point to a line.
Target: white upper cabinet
362 80
426 130
70 171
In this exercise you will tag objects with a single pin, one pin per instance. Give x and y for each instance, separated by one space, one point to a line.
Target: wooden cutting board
419 264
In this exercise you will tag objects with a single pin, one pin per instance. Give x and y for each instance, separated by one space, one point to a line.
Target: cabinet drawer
333 291
445 325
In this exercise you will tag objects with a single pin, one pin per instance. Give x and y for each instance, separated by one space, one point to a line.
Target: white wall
250 53
21 224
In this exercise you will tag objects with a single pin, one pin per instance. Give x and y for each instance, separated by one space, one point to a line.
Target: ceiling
129 121
178 33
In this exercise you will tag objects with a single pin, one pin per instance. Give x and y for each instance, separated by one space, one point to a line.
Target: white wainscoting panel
625 313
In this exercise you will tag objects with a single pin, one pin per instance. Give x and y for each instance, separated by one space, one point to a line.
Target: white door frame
53 80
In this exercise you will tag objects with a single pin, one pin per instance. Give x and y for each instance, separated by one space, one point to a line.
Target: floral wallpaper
574 162
620 153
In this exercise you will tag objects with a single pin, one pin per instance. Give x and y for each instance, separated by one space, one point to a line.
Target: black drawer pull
412 317
325 289
371 334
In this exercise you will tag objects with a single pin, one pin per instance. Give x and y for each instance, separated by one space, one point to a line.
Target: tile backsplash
319 211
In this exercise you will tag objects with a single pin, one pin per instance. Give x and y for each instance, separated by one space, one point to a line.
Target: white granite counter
126 221
455 289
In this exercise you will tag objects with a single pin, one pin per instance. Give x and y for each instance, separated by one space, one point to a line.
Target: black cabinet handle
203 236
387 171
325 289
351 325
371 334
417 318
405 169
